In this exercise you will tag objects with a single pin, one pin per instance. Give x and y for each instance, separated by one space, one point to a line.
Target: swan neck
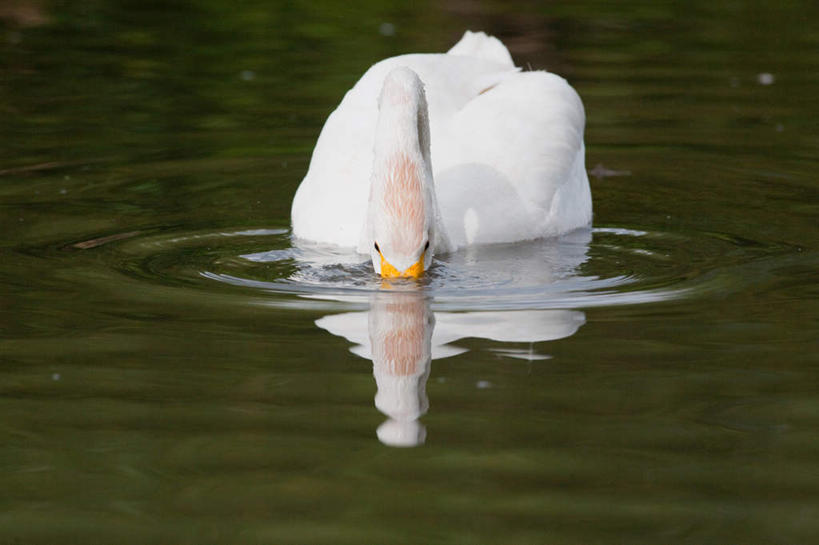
403 129
402 217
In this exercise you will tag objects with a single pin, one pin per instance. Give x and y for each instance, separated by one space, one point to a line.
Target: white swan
432 152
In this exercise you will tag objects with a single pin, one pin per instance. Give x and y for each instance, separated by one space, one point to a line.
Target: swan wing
510 164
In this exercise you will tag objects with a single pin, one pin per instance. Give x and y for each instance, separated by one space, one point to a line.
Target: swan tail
482 46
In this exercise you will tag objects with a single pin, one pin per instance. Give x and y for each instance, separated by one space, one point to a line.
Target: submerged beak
415 271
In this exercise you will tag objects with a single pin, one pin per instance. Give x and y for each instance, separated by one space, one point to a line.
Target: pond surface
172 370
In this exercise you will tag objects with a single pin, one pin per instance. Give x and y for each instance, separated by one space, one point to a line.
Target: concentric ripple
601 266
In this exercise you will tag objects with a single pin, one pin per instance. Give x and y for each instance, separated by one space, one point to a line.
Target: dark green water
162 375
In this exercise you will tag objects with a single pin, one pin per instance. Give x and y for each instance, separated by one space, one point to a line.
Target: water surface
173 370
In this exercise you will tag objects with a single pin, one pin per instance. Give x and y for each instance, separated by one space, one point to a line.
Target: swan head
401 232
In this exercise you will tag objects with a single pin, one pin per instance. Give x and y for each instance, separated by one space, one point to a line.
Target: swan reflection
401 335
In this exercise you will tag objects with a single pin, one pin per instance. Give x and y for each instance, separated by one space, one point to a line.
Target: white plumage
507 152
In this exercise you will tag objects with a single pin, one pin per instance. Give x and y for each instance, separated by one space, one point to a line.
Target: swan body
429 153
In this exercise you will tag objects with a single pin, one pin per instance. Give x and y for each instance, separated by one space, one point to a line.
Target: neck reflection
400 327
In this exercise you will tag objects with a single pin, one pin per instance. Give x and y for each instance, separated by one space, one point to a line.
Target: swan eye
377 249
426 246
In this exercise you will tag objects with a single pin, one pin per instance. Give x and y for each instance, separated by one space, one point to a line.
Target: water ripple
587 268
